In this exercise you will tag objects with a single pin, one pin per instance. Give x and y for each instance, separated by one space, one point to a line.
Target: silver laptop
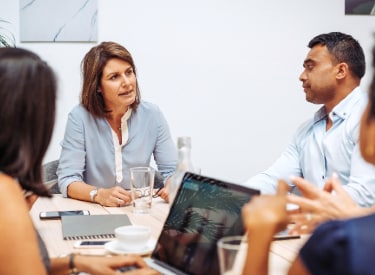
204 210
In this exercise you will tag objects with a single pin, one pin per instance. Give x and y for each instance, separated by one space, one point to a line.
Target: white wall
224 72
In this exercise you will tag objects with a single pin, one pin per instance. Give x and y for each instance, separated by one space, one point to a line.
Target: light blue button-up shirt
315 154
88 149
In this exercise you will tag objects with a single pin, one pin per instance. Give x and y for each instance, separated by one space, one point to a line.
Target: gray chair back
50 176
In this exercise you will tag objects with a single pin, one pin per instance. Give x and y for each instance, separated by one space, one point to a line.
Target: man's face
319 76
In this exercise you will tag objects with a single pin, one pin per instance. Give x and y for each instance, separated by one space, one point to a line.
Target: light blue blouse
88 149
315 153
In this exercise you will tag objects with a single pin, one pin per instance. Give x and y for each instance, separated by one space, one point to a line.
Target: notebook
80 227
204 210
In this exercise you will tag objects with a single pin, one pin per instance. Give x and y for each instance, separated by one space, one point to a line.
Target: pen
156 194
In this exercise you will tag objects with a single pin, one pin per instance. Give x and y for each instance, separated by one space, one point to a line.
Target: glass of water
141 187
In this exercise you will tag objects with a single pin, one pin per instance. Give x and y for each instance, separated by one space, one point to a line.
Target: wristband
73 269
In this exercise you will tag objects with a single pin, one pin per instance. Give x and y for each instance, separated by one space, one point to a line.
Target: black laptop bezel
193 176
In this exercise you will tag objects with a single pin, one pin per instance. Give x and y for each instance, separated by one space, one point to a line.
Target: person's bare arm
263 217
298 268
115 196
19 251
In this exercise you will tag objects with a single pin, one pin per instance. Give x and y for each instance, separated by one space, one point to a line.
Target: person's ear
342 70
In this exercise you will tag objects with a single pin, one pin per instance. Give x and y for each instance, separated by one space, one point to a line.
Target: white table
281 255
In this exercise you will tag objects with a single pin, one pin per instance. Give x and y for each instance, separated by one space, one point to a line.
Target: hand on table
163 193
114 196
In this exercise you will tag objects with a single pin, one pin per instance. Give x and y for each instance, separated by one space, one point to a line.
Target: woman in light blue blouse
111 131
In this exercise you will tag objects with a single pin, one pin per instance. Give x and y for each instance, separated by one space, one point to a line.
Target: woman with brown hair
111 131
28 93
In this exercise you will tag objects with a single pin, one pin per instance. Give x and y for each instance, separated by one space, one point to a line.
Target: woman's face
367 136
118 85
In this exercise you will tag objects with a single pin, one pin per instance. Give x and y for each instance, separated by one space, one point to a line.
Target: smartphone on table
90 244
56 215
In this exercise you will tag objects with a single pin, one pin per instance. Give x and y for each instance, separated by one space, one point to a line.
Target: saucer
114 248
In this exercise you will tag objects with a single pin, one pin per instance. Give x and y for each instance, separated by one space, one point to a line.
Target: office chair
49 175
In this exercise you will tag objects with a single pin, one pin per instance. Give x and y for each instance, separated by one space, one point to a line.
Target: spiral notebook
80 227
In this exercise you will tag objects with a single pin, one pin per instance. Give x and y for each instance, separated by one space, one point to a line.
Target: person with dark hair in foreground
28 95
344 246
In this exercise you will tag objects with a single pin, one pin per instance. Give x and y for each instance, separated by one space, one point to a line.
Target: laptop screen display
204 210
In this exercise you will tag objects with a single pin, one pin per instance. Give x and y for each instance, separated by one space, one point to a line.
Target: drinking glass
141 187
232 254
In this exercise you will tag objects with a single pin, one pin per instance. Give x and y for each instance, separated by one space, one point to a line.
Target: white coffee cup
132 237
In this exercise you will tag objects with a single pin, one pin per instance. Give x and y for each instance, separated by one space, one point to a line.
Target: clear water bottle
184 164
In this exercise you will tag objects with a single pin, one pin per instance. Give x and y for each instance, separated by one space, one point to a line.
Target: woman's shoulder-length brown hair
92 69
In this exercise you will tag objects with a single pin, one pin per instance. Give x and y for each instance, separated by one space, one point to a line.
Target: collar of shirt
125 117
341 110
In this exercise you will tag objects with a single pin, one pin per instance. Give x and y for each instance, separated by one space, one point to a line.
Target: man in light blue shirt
329 142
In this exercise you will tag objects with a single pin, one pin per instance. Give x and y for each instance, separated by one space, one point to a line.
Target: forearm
259 243
80 190
60 266
66 265
263 217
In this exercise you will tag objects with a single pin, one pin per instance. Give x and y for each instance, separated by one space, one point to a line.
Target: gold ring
308 217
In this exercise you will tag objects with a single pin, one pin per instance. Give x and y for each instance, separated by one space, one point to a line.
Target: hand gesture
317 206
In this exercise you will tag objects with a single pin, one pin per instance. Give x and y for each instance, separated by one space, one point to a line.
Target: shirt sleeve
361 184
165 152
327 250
286 165
72 157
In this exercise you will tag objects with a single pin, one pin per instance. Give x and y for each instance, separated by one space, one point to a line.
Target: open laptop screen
204 210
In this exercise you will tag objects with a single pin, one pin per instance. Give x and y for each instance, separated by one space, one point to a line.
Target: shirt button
322 177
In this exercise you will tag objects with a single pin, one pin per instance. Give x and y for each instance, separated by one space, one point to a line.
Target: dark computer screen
204 210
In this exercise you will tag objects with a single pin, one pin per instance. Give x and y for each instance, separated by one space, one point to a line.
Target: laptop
204 210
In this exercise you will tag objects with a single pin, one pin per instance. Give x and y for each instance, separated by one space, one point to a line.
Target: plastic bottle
184 164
